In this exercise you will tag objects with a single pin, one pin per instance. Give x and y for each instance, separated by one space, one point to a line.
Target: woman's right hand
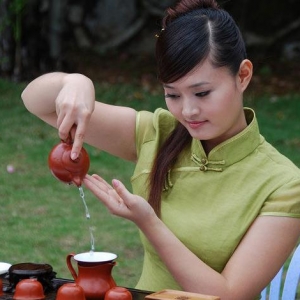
74 105
65 101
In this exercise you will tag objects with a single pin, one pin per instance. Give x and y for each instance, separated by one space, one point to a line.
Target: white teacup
94 257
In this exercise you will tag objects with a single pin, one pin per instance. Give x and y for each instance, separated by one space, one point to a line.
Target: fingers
74 107
119 201
96 182
78 139
101 181
138 210
100 188
121 190
106 194
67 126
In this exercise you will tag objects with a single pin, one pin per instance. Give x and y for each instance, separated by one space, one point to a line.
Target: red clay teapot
64 168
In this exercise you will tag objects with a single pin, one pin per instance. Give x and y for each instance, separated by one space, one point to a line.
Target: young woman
217 206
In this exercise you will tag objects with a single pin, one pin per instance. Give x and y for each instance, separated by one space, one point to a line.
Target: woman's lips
196 124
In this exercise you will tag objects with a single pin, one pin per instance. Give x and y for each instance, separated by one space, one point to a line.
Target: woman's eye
202 94
171 96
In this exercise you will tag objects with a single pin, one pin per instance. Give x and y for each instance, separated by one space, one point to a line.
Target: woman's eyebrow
168 86
198 84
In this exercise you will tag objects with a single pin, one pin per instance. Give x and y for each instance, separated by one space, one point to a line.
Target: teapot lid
95 257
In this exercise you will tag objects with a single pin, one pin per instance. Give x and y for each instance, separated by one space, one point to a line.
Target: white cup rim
95 257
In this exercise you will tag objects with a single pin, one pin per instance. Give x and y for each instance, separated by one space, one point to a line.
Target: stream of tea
88 217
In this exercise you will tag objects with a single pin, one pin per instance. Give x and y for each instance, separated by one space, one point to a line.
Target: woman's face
208 102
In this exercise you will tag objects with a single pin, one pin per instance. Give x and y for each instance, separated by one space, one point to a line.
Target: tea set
93 279
92 274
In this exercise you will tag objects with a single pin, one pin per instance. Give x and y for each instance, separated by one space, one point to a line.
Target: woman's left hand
119 200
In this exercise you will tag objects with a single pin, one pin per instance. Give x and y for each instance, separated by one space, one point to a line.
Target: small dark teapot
64 168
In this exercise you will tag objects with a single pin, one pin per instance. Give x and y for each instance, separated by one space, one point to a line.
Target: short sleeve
152 127
144 130
285 201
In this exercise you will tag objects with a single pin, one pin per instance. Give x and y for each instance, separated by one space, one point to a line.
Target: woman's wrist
151 224
78 79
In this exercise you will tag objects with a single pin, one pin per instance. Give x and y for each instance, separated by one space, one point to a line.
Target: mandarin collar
230 151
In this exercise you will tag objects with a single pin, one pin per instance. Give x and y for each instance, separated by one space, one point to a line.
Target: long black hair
192 31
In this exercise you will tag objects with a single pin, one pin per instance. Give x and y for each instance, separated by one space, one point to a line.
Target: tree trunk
55 32
7 46
51 28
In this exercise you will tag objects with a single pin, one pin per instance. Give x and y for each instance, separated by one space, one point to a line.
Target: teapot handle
1 288
68 140
70 266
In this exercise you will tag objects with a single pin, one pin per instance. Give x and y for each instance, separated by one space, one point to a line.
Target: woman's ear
245 73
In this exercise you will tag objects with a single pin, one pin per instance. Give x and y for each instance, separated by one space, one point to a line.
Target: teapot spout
77 181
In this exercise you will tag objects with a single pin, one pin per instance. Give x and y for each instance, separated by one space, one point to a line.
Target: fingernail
115 182
73 155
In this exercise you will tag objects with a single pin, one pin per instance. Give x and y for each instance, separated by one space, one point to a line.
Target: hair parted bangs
191 38
178 50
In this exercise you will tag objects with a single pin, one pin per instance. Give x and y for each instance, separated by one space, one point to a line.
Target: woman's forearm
188 270
39 95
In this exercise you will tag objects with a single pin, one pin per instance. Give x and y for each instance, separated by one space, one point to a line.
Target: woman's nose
189 109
